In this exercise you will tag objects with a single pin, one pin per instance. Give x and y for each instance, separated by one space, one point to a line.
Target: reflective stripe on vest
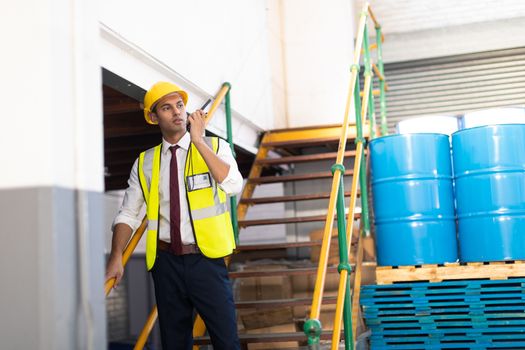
149 163
209 214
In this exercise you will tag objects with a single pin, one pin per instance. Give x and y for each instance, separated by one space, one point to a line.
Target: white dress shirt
134 200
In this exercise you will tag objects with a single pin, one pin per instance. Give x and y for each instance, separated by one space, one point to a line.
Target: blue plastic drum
489 170
413 199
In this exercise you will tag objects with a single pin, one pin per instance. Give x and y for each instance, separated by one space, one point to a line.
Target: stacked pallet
494 270
458 314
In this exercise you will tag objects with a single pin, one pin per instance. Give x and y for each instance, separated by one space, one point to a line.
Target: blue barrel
489 170
413 199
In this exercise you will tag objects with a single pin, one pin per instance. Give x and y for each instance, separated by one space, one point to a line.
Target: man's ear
153 117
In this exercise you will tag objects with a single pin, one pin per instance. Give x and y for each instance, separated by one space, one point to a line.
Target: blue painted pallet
437 286
430 319
460 309
510 345
451 339
449 288
444 294
425 303
445 332
445 290
426 299
449 327
459 314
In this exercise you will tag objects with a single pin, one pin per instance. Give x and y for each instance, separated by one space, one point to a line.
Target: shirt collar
183 143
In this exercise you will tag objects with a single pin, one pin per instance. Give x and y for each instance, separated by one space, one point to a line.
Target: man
184 182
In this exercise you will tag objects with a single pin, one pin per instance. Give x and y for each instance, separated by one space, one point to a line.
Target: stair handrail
364 108
313 327
367 107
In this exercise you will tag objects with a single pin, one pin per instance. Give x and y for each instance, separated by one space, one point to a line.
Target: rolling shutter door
454 85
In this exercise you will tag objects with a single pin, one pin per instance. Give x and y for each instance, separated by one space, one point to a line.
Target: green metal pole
233 199
357 106
362 173
362 168
368 73
382 92
372 114
343 258
364 198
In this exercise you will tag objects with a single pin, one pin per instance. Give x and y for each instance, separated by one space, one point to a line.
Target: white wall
277 62
318 49
50 92
199 45
52 176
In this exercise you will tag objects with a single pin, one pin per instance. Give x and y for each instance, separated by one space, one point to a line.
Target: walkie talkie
188 125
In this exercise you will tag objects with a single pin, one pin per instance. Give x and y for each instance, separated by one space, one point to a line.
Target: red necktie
176 243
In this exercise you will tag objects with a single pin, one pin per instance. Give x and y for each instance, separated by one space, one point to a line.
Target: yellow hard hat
158 91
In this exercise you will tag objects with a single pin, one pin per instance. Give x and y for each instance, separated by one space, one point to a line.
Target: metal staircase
282 150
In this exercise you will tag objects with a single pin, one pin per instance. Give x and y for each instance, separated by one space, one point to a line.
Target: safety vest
209 216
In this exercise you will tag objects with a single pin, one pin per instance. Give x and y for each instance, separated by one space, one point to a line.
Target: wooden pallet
495 270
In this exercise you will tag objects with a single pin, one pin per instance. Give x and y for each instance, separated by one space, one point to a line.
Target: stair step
302 159
282 272
309 136
292 198
269 337
294 220
301 143
302 271
299 177
275 303
278 245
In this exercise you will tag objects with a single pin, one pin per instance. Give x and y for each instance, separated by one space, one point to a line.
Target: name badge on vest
199 181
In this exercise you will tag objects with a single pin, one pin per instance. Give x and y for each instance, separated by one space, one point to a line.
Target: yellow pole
364 105
344 274
357 283
218 100
325 245
360 33
373 17
198 329
380 76
144 334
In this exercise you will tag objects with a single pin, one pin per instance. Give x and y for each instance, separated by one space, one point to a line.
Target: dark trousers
185 282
